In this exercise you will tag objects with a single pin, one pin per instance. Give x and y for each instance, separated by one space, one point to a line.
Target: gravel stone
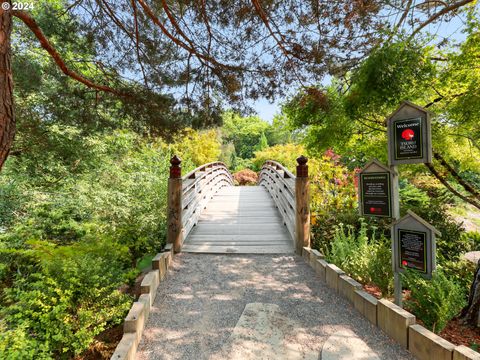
198 306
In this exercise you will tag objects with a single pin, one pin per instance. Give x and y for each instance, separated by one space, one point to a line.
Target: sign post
409 142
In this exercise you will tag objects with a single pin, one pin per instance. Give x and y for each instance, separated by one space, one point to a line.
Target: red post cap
175 168
302 167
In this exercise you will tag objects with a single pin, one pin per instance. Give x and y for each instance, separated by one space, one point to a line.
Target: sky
265 110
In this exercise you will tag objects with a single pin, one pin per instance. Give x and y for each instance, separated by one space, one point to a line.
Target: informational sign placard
375 190
409 135
412 250
414 245
408 139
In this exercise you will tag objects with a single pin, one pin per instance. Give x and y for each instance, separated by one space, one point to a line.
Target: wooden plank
265 229
240 220
240 243
235 213
206 249
238 237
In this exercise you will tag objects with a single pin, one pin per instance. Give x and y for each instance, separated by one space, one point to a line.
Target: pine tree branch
263 16
444 11
202 57
137 42
47 45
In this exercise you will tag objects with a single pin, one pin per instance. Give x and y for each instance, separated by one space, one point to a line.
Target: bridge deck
242 220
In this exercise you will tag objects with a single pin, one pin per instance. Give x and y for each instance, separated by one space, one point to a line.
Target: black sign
413 250
375 194
408 136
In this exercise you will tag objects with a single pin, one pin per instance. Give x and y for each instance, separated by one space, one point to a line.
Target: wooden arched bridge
250 306
208 214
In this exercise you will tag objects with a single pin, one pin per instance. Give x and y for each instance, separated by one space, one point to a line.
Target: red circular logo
408 134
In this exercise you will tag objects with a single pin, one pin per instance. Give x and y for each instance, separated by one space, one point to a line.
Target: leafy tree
262 143
182 48
281 131
244 132
286 155
350 115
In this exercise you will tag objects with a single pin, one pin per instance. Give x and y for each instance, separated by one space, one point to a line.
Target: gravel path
197 308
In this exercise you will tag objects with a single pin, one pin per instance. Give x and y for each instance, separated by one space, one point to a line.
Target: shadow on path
197 308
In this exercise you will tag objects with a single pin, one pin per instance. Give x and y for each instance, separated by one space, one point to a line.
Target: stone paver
199 305
346 345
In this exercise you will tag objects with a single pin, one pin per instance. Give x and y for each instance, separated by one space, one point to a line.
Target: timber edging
396 322
137 317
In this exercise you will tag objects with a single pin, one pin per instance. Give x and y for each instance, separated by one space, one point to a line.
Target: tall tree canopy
203 54
350 113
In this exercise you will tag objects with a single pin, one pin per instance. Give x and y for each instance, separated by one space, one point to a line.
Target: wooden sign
375 190
409 135
414 244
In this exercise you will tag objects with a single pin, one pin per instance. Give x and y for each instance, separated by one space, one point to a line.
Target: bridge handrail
198 187
280 183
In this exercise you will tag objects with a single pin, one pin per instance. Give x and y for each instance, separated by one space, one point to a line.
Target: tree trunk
7 114
470 313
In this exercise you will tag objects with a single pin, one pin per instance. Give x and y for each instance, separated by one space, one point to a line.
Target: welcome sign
409 137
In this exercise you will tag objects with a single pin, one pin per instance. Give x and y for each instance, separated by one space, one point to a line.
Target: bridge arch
210 214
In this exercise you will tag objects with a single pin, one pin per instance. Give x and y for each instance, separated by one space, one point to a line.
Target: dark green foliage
411 196
473 237
394 71
434 301
460 272
323 231
380 266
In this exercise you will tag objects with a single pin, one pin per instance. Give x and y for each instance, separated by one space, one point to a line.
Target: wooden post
397 279
174 215
302 206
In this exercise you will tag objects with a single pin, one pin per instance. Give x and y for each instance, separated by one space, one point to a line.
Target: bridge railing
189 195
280 183
291 196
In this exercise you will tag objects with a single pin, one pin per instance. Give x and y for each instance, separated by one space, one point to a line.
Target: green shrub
473 238
363 256
380 267
461 272
71 298
434 301
17 344
411 196
72 236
